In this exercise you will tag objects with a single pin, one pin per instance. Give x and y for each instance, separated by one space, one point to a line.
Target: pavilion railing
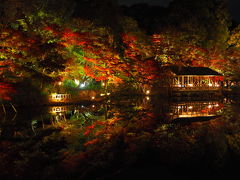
195 88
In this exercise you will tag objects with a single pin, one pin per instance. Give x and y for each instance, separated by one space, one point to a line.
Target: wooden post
209 82
200 81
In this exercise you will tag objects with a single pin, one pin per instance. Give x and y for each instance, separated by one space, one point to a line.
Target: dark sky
153 2
234 5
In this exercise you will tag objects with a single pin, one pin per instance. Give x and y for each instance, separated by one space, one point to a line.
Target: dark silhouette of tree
12 10
206 22
149 18
195 33
102 13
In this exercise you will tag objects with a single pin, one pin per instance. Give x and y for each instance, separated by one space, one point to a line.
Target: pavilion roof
188 70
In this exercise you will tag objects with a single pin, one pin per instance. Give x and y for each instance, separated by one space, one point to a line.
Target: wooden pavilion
194 79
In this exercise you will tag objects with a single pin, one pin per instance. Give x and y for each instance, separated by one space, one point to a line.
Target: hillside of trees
43 42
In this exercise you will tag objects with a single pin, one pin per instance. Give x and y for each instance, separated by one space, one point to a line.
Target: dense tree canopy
91 40
195 33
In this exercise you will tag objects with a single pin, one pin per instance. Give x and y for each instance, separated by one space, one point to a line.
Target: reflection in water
195 109
58 109
61 112
93 141
58 113
184 109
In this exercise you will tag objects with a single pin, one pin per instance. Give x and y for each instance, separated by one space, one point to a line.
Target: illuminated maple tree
142 69
90 54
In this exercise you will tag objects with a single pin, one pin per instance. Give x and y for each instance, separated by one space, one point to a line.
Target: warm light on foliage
95 55
144 70
6 91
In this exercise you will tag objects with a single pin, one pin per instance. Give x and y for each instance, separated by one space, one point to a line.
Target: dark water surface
137 138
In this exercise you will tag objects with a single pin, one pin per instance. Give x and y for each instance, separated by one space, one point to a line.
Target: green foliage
195 33
30 51
45 42
93 85
79 53
211 18
131 28
68 83
235 37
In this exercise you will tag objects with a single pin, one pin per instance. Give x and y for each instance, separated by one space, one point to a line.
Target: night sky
153 2
234 5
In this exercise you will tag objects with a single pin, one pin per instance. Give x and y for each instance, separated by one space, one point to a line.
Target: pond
137 137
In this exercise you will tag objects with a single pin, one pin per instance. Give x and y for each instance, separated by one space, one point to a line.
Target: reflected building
58 113
63 113
195 109
58 109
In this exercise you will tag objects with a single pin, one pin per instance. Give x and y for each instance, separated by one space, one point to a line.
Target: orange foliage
94 141
100 67
50 29
90 72
145 70
91 60
15 46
